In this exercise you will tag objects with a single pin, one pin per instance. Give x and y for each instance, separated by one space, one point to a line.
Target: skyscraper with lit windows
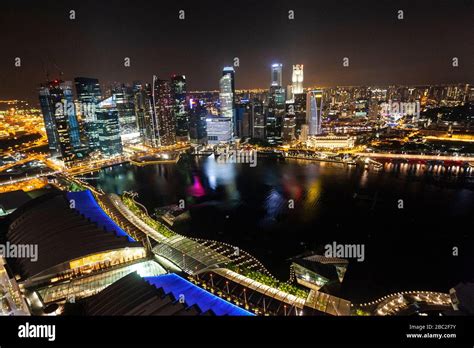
124 97
178 89
226 96
277 80
89 95
109 127
275 110
297 79
288 134
143 103
228 70
314 111
59 114
197 122
163 115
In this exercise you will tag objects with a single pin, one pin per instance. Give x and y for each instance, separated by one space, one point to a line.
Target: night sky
381 48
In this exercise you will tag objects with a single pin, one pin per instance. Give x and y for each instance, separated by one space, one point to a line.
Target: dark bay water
405 249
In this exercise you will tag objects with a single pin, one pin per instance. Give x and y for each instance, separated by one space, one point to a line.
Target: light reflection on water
223 175
274 203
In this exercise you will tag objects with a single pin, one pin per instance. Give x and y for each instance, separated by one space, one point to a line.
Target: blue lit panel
195 295
86 204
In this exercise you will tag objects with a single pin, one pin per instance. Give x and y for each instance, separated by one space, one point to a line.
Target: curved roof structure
62 234
86 204
131 295
194 295
161 295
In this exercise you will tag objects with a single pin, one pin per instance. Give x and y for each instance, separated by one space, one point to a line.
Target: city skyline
266 158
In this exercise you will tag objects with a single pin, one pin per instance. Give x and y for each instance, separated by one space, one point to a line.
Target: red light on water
196 190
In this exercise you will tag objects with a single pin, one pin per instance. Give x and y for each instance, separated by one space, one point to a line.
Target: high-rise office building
297 79
258 120
226 96
89 95
59 114
239 118
124 98
289 92
247 121
304 133
163 114
277 97
88 90
277 80
143 102
275 110
314 111
219 129
178 90
277 92
110 141
289 123
197 122
273 122
299 106
228 70
48 96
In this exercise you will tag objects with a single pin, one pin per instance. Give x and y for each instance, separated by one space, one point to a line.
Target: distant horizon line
4 99
130 84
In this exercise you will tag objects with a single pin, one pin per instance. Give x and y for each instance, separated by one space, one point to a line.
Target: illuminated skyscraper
124 99
226 96
300 107
258 122
197 122
289 92
277 92
314 111
143 103
275 110
163 115
178 89
277 80
109 127
297 79
228 70
89 95
289 123
304 133
59 114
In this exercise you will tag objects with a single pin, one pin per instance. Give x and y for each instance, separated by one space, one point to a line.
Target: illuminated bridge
191 255
407 301
195 256
468 159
